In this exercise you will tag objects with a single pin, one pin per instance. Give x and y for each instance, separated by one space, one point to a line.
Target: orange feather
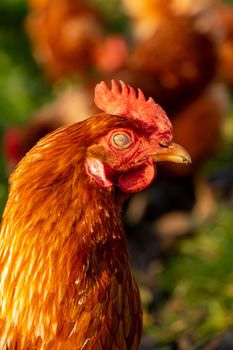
64 279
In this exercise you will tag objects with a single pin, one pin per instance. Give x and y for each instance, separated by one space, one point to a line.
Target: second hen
64 35
174 60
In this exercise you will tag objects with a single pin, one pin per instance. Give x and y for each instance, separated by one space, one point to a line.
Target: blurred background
180 230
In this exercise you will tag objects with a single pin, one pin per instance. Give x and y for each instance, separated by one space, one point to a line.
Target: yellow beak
172 153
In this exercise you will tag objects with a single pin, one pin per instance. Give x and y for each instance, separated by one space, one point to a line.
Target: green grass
197 279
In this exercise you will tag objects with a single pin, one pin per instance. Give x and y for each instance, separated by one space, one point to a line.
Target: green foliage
22 88
197 279
113 15
224 155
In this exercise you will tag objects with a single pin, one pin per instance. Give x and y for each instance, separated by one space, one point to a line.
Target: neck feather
59 230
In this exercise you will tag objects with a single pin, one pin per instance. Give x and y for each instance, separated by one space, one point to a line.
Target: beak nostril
163 143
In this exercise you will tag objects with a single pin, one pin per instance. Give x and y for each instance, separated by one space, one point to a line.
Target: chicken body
65 278
70 285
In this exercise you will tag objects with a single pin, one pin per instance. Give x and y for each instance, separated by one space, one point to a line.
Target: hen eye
121 140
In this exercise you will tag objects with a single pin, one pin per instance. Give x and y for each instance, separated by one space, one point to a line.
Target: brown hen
65 276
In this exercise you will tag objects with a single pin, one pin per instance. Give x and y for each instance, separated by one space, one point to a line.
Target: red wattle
137 179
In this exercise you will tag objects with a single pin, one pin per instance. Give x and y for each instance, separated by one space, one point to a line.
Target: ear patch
98 171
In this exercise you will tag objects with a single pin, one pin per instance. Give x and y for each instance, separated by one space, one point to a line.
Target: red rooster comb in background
126 102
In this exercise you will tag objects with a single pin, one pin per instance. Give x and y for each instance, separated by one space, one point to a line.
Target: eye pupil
121 140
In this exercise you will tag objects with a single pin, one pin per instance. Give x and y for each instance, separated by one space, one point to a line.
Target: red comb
125 102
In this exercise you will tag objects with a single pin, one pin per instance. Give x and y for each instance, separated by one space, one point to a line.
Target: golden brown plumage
65 277
70 279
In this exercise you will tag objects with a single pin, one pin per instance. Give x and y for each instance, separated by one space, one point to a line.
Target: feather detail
65 280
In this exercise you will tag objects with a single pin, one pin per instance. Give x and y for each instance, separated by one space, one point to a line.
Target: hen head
126 155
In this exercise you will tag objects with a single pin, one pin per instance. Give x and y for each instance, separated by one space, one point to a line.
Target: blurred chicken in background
146 15
68 38
61 33
172 57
